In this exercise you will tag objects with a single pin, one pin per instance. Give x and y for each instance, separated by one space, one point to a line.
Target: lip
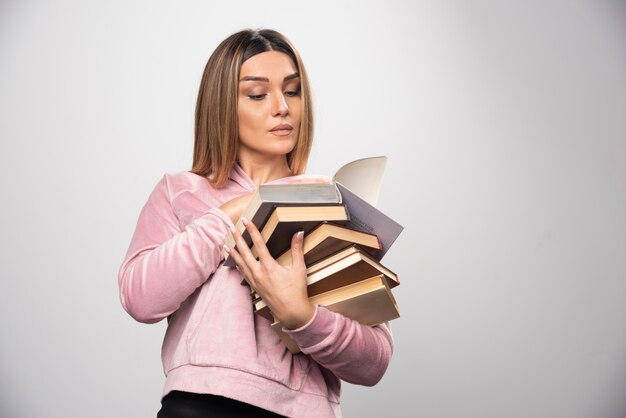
282 129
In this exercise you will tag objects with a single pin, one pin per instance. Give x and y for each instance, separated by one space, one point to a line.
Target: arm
354 352
165 264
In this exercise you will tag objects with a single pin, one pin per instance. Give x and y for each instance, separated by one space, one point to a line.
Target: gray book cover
367 218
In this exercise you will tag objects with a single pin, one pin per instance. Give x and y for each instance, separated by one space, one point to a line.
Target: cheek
296 111
298 122
249 119
242 118
246 125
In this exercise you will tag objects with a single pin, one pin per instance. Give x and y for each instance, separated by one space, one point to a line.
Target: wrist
300 317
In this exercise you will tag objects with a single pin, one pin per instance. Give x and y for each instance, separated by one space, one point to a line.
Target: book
269 196
356 185
367 218
328 238
285 221
324 240
369 301
346 267
359 183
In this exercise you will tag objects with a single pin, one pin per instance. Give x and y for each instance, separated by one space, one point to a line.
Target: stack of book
345 237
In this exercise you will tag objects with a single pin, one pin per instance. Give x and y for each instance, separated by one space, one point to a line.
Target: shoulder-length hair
216 122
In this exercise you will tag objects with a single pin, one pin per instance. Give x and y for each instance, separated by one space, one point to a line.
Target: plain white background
505 126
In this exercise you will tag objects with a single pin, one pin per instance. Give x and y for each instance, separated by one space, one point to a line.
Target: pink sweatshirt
214 342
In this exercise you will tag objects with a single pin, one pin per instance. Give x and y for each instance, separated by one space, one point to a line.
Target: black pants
193 405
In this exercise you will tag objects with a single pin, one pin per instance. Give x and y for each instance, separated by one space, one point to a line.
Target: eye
292 93
256 96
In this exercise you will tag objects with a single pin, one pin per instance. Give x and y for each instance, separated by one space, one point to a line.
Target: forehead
270 64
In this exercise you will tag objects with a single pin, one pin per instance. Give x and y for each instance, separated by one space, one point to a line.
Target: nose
279 104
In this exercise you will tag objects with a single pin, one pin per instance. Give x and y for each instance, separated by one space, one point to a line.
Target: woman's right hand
235 207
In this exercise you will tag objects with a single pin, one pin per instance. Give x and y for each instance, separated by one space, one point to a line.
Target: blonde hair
216 123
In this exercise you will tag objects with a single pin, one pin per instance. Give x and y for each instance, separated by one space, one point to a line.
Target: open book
355 185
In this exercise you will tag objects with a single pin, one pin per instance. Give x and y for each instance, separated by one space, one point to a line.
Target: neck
264 169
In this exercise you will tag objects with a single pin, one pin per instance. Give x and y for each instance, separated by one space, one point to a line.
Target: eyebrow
267 80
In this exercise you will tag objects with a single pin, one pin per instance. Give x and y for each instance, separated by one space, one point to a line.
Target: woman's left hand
283 289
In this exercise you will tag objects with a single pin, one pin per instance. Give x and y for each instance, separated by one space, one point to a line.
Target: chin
284 147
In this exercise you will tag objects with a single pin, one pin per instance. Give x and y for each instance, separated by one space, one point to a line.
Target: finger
297 251
241 265
242 248
257 240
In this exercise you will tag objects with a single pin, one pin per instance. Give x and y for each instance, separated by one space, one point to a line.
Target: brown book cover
285 221
328 238
345 267
269 196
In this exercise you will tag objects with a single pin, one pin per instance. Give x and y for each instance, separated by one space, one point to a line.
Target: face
269 105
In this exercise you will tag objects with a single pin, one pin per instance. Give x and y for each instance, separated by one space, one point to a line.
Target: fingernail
232 228
300 235
244 221
226 249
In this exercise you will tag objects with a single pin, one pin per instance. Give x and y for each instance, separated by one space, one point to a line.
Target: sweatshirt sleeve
166 263
354 352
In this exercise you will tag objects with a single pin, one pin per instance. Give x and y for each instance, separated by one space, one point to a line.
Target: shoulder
183 181
184 186
192 192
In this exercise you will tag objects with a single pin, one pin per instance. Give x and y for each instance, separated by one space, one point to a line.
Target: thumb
297 251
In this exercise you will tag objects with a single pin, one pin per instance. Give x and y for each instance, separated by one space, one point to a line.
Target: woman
253 126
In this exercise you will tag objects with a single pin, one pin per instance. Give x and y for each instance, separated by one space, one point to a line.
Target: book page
363 177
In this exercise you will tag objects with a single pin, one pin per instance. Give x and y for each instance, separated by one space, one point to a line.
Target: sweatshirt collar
240 177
